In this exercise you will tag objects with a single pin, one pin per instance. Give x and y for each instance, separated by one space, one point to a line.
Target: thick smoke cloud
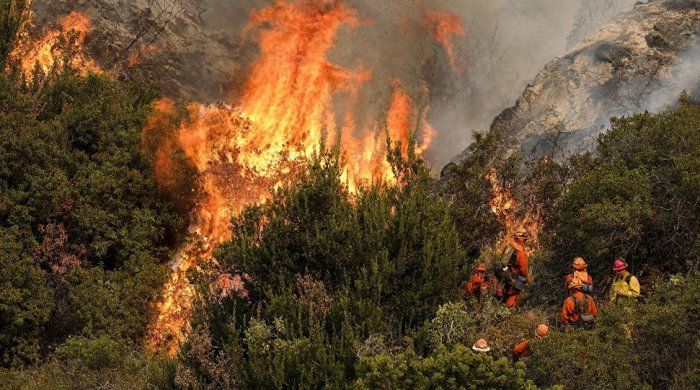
505 45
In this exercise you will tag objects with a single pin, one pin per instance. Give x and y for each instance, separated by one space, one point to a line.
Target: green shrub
25 301
82 200
651 345
640 196
454 368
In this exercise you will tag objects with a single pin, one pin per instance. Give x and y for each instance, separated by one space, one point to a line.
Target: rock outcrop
165 42
642 60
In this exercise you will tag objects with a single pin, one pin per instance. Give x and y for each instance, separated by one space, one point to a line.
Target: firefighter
481 346
481 283
478 281
625 287
517 269
580 271
522 349
578 309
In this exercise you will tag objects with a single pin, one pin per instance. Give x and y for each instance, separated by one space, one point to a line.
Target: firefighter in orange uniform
522 349
580 271
517 268
481 283
578 309
478 282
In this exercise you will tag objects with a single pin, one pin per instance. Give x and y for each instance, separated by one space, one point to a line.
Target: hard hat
542 329
575 283
619 264
579 264
481 346
481 267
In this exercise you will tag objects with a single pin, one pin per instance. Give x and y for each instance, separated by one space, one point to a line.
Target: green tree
640 196
11 18
25 300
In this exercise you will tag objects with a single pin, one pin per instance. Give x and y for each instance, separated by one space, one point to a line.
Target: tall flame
509 212
59 48
444 27
287 107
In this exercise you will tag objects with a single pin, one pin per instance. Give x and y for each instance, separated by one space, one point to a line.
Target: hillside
150 242
642 60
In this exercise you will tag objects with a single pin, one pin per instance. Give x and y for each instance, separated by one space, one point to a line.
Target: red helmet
481 267
619 265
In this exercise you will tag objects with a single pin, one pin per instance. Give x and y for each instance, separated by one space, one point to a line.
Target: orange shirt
518 265
568 310
570 276
522 349
476 283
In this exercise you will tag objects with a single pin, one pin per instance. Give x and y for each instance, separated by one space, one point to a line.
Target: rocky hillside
642 60
162 41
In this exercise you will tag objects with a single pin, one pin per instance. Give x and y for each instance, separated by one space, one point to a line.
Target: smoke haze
505 44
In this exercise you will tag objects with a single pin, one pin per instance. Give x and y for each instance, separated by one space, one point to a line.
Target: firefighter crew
625 287
522 349
481 346
517 268
580 271
578 309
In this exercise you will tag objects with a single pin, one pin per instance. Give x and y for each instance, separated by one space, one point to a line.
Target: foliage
25 301
93 363
631 347
80 214
454 368
11 18
640 196
328 270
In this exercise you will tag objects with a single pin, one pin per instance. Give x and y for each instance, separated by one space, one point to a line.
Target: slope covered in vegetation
340 290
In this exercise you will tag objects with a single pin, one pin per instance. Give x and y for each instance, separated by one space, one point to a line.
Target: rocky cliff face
165 42
642 60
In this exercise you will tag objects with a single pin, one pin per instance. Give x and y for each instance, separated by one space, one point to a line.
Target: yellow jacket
626 286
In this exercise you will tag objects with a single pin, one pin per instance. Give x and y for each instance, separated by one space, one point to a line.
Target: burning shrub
330 269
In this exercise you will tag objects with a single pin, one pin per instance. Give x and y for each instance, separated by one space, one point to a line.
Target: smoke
685 78
505 44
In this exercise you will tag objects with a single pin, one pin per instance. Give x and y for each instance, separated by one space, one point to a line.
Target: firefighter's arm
522 264
634 289
472 285
592 309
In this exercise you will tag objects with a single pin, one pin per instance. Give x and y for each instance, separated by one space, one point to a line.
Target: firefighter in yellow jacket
625 287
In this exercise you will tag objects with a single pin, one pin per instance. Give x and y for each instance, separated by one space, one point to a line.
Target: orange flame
508 211
287 107
57 49
444 26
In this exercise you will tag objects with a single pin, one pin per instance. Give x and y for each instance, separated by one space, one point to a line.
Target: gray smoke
506 43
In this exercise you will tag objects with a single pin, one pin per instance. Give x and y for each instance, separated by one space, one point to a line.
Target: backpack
585 318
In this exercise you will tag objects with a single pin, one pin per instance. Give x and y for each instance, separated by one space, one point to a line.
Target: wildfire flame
59 48
508 211
285 110
444 26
